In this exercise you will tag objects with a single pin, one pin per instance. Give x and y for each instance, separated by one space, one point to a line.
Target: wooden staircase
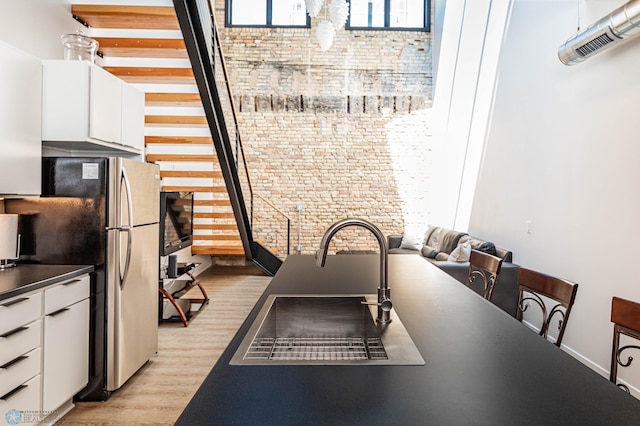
143 46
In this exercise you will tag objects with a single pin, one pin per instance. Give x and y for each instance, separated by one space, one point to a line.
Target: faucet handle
385 304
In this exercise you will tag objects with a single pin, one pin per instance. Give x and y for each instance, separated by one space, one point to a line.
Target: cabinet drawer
19 310
19 370
65 294
19 341
22 403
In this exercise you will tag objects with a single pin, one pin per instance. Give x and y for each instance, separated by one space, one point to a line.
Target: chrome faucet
384 293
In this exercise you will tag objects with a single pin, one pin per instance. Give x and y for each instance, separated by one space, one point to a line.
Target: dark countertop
482 367
28 277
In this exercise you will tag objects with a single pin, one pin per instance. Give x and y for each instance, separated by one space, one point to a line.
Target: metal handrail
239 151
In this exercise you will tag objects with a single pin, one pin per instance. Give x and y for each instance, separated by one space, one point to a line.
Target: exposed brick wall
343 132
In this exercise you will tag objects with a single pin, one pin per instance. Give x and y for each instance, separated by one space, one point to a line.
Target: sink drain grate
316 349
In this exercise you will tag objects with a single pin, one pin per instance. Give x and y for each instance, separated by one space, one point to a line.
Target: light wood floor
158 393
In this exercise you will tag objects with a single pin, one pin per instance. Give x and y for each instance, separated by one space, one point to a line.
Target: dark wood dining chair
484 269
625 316
532 286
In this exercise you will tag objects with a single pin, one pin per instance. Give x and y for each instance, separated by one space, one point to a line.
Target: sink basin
324 330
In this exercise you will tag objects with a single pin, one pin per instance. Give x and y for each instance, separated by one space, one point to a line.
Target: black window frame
269 14
387 20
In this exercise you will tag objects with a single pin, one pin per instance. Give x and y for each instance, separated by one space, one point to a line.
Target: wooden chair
532 285
625 316
484 269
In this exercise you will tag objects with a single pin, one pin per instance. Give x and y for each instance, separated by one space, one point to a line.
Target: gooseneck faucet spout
384 293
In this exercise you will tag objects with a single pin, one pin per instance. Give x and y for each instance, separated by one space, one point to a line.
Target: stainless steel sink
324 330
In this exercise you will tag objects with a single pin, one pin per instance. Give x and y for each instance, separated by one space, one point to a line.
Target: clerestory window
267 13
389 14
364 14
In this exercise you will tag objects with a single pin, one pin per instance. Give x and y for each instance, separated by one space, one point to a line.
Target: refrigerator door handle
124 179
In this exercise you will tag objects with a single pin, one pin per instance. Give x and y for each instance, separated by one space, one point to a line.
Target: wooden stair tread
181 157
194 188
199 249
189 120
178 140
129 17
142 47
190 174
214 203
172 99
215 226
155 75
199 237
214 215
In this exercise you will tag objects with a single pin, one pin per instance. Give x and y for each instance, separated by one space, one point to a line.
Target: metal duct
621 24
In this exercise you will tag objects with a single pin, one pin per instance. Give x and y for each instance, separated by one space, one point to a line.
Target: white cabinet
132 117
66 342
20 353
85 108
20 122
44 350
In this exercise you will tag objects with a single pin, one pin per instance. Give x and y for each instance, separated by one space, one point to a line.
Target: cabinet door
20 121
132 117
66 354
105 107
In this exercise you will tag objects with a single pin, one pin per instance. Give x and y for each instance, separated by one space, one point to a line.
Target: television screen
176 219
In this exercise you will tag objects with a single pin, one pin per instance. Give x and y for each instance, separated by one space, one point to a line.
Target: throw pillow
428 251
461 253
442 256
412 238
427 234
434 238
483 246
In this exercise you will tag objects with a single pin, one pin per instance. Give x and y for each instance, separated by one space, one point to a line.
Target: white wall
562 151
35 26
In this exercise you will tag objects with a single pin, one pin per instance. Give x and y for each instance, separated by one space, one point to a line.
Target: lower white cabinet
44 351
66 342
20 355
66 356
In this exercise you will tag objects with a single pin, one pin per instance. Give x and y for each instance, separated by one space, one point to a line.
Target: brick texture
344 132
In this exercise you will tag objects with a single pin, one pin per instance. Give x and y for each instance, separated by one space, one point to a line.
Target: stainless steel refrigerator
104 212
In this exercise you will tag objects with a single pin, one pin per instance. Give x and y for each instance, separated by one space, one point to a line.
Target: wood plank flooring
158 393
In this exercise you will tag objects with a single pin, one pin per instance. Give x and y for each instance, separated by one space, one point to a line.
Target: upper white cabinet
85 108
20 122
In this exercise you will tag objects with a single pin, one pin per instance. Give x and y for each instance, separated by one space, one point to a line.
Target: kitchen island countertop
482 367
25 278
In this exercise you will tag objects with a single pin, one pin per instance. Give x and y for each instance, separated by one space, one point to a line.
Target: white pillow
461 253
412 238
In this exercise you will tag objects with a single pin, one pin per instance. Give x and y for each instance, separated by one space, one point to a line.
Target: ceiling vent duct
623 23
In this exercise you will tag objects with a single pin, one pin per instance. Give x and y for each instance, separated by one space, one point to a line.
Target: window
267 13
389 14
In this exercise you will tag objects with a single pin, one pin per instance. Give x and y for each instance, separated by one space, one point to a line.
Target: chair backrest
532 285
625 316
483 270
